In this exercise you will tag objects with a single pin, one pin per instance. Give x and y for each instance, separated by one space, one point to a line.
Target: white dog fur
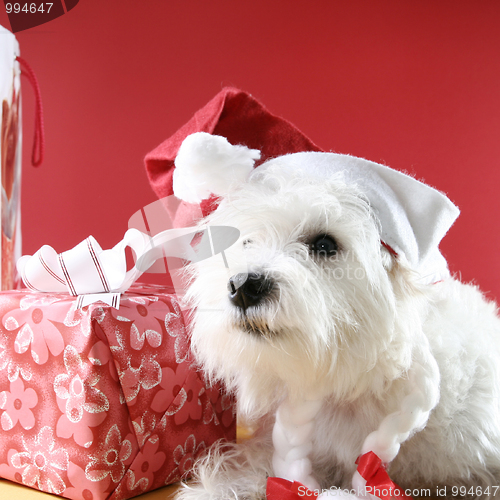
345 328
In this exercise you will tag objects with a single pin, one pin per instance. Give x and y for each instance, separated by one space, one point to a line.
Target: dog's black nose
247 290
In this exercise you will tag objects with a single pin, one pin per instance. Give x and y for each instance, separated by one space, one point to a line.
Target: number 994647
28 8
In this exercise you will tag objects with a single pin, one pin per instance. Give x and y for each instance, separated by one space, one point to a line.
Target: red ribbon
281 489
378 482
39 141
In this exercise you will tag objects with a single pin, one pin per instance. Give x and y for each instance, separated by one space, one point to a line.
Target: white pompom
208 164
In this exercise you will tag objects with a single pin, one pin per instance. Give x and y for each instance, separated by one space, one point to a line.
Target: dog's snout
247 290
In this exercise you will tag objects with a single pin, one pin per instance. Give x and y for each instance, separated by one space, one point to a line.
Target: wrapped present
98 402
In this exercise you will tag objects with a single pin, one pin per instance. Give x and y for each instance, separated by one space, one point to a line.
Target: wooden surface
14 491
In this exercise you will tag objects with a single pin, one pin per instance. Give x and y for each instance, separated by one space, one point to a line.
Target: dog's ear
208 164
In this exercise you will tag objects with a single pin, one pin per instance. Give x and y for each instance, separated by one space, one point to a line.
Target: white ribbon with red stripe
91 273
86 271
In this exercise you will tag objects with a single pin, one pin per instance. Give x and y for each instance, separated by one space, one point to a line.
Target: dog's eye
324 245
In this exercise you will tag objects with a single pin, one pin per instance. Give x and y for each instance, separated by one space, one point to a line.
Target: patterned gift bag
10 153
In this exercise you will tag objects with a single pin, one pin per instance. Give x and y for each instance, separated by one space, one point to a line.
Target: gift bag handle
38 152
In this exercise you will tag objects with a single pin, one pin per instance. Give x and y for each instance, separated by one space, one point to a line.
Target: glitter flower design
148 461
110 457
80 431
192 409
16 364
8 471
100 352
219 403
32 300
42 463
77 387
174 324
184 458
74 317
141 371
144 427
227 409
172 394
17 405
181 394
37 328
82 488
145 317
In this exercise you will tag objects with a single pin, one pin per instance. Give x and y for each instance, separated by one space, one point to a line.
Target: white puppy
362 347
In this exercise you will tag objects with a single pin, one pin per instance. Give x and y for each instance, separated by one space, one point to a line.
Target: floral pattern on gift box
226 406
174 324
171 384
184 458
144 427
30 317
136 370
77 387
18 404
99 314
147 315
144 372
175 399
100 354
148 461
79 399
81 488
221 404
192 409
110 458
15 363
8 470
32 300
42 462
81 430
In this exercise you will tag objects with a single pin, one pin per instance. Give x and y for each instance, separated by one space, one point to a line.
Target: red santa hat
242 120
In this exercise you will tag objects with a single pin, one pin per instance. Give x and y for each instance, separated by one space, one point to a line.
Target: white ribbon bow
91 273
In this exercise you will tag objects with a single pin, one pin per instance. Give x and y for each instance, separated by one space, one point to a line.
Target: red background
412 84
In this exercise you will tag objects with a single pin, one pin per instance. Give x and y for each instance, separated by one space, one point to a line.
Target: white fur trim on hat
208 164
414 217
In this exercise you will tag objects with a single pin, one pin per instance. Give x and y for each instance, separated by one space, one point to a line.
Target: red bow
281 489
378 482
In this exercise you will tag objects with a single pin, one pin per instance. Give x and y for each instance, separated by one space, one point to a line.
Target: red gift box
99 400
